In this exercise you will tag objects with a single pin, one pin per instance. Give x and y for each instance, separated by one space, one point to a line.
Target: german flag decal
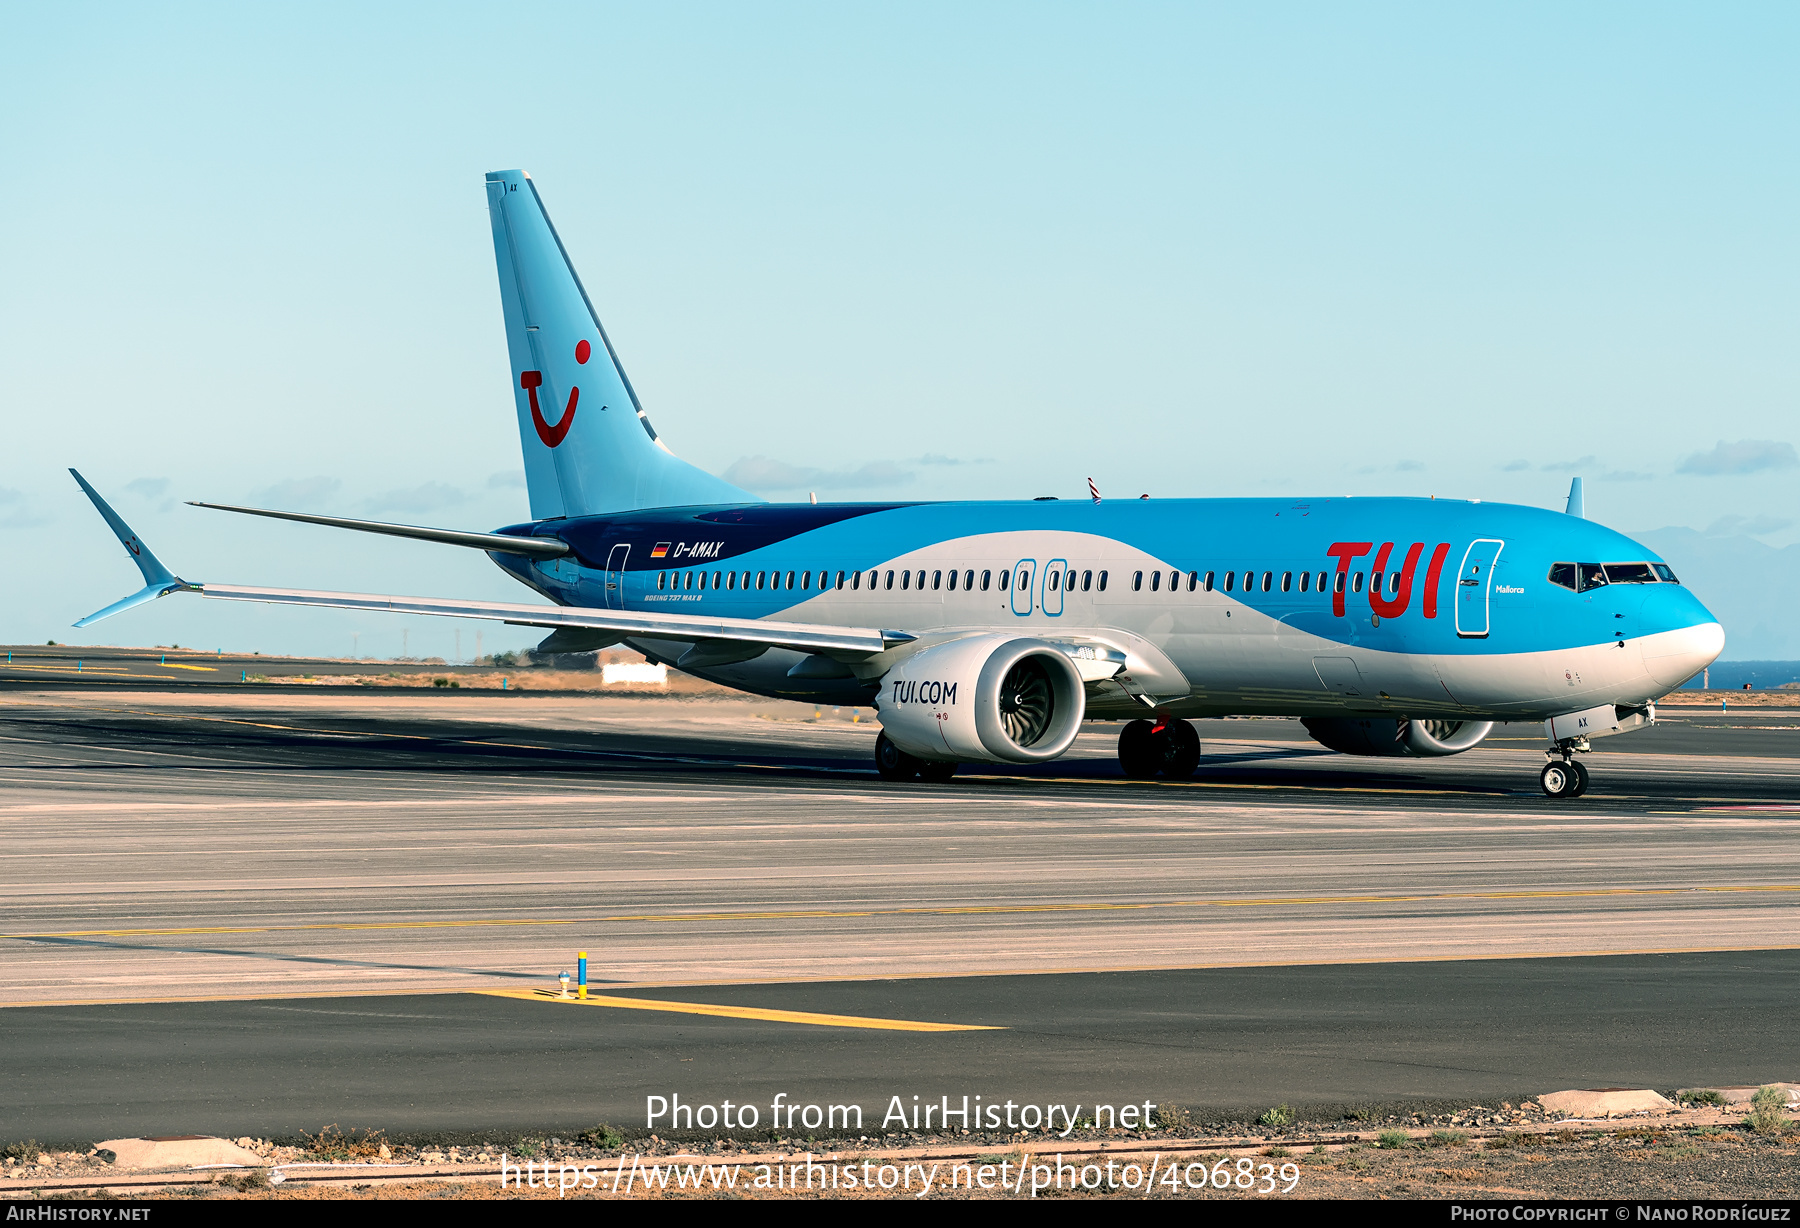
660 550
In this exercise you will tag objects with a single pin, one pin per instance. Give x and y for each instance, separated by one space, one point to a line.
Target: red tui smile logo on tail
531 381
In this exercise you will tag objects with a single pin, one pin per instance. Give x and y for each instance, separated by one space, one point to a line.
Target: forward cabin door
1474 585
615 577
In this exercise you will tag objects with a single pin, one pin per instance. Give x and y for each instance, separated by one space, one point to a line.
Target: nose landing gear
1564 775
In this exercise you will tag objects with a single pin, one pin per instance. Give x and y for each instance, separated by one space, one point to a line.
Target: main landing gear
1564 775
895 764
1164 746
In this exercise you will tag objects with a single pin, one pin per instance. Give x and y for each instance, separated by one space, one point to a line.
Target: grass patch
1280 1115
1566 1136
1449 1138
1702 1096
332 1143
26 1152
1768 1111
1393 1140
603 1136
1277 1153
1173 1117
1510 1139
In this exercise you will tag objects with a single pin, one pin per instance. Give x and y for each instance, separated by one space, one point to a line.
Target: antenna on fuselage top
1574 507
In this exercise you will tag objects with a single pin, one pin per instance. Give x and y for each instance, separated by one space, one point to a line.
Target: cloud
15 513
507 479
1744 456
763 473
156 490
431 497
938 458
297 492
1409 466
1585 462
1515 466
1746 526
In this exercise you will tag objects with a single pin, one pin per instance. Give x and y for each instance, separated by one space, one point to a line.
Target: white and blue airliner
990 631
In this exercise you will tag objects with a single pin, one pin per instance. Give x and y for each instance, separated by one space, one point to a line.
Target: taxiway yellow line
740 1012
961 910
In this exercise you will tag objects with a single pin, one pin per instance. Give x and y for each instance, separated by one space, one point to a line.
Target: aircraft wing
718 638
852 643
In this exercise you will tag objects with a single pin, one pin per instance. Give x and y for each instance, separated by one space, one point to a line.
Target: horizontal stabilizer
498 543
850 642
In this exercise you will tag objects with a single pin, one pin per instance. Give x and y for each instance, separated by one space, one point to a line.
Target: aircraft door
615 577
1023 595
1056 575
1474 583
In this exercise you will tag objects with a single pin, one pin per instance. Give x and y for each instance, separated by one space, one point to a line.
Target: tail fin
589 448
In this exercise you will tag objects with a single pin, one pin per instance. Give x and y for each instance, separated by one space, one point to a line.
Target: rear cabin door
1474 584
615 576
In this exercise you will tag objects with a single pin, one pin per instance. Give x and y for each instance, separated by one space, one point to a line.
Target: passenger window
905 580
840 580
1174 580
1592 575
937 580
921 580
1249 581
760 577
1193 580
806 579
890 579
1563 574
1024 580
1287 581
1087 581
662 578
746 581
1155 580
1305 581
690 581
1206 582
1137 581
1356 583
1339 586
952 579
1666 574
985 577
1375 582
1393 582
1102 584
1054 580
855 581
1230 580
872 577
790 580
1324 578
969 580
1005 577
731 580
1268 580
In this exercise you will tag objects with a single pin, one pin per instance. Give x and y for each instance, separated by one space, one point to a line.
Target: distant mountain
1753 588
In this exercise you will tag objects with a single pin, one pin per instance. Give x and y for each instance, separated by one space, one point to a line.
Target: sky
925 251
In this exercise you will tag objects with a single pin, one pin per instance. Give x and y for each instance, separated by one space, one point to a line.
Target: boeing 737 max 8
988 632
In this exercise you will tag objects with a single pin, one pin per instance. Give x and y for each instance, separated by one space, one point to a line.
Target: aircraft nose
1689 638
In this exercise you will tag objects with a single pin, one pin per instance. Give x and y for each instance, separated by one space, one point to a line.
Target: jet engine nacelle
986 699
1360 736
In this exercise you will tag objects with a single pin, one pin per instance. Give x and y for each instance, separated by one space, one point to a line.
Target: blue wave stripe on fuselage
1527 613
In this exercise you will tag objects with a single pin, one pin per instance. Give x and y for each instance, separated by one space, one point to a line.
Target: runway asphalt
160 848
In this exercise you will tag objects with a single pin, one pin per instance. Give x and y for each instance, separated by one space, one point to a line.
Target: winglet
1574 507
158 580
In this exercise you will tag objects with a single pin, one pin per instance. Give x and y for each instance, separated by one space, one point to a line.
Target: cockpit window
1563 574
1664 572
1592 575
1630 573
